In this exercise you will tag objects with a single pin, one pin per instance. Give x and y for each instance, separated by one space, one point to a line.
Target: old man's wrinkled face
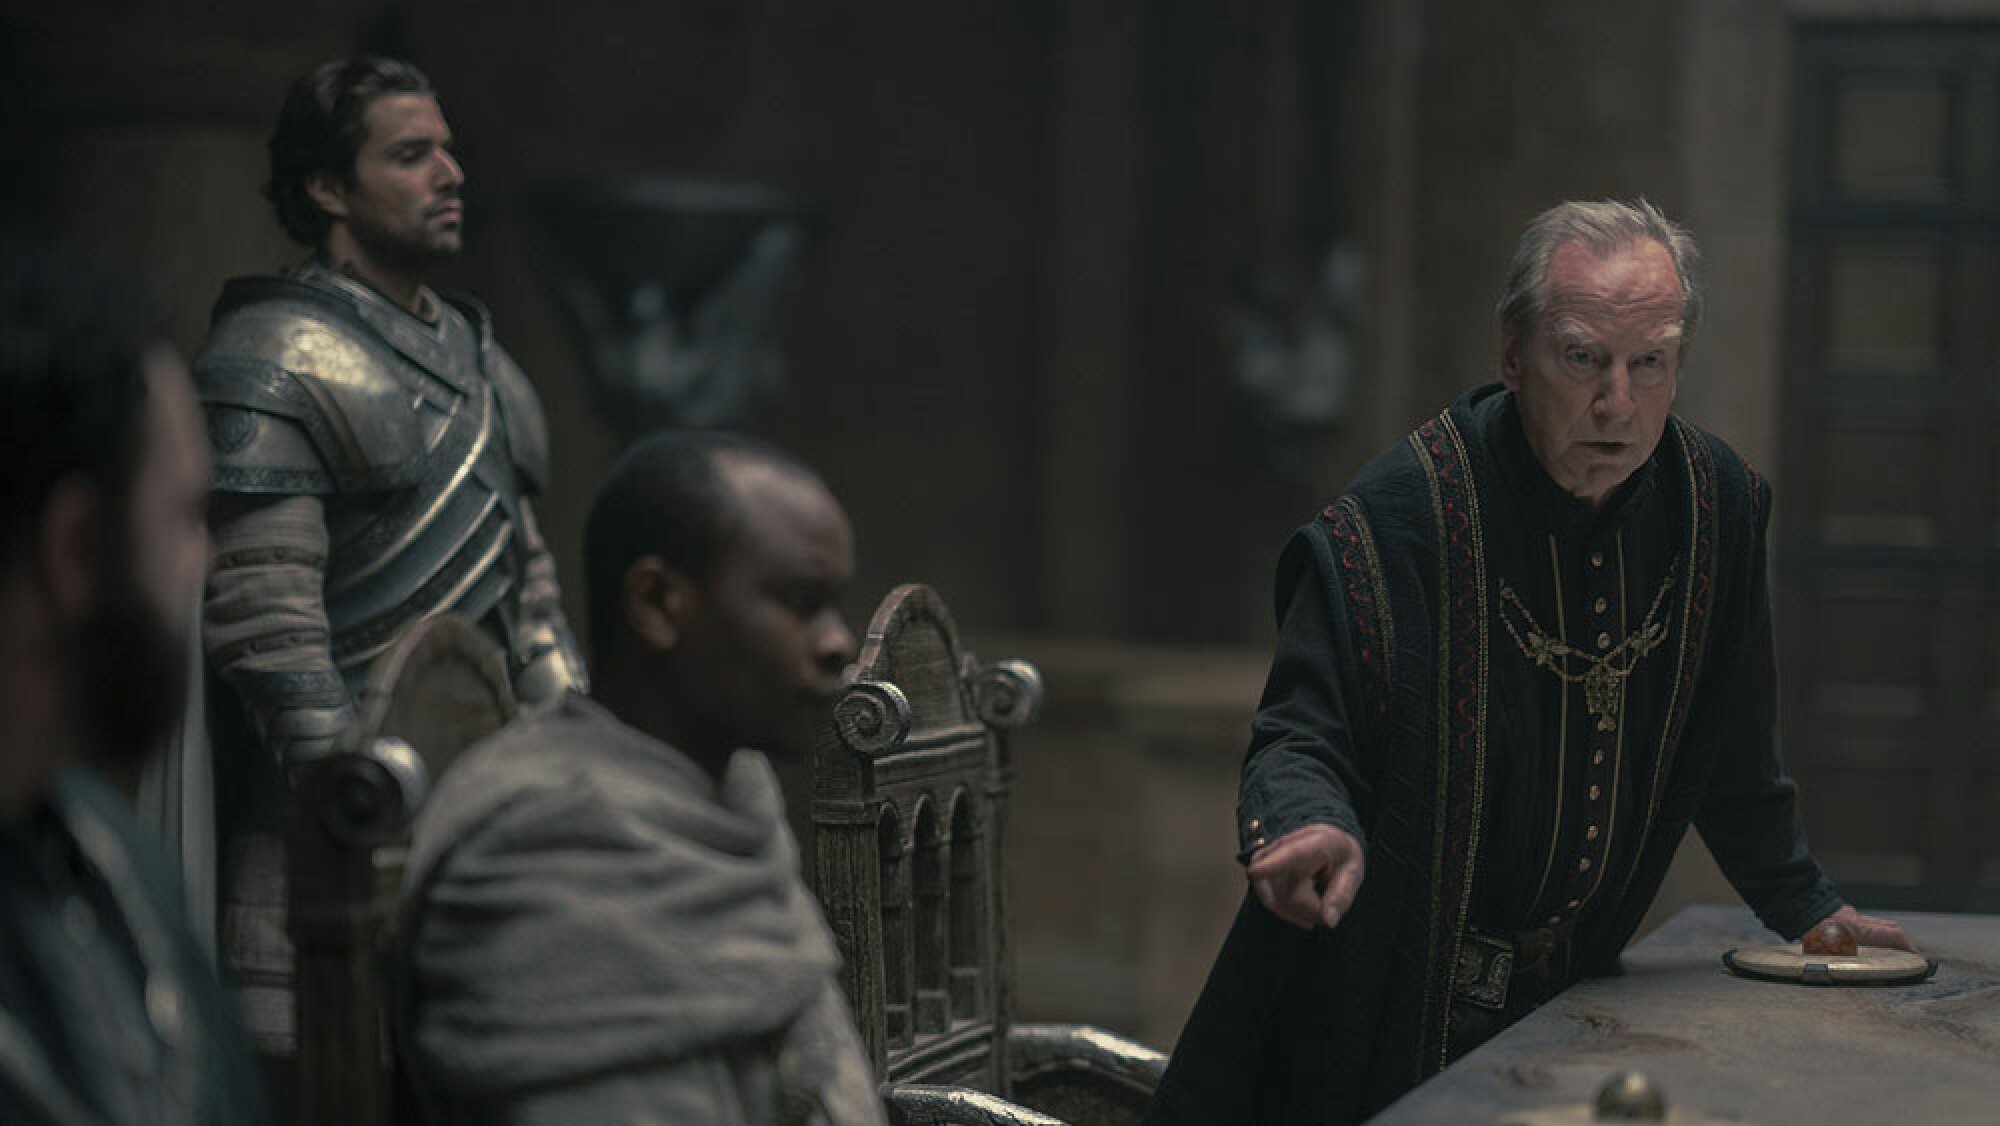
1598 376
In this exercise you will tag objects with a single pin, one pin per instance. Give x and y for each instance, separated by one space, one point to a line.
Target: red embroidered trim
1355 572
1459 543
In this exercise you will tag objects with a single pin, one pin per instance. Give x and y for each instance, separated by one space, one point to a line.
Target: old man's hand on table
1868 930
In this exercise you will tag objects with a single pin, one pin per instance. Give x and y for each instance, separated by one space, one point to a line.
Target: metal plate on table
1869 965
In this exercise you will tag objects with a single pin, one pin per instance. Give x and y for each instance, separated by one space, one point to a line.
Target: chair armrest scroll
925 1104
1037 1049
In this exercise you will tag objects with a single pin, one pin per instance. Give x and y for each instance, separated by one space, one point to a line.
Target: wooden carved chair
910 786
440 689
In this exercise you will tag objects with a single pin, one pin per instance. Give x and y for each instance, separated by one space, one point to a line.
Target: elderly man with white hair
1517 659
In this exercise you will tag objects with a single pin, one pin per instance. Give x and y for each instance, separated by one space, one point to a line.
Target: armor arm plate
264 623
527 427
551 660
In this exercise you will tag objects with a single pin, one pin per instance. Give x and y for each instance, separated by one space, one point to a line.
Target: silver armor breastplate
409 433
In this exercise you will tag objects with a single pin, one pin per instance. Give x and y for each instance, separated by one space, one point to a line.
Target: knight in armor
376 452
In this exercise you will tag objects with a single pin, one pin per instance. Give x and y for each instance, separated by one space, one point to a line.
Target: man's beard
128 671
416 254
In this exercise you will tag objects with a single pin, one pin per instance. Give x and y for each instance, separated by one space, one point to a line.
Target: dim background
1102 299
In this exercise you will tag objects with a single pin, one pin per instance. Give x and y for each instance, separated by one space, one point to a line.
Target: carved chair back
910 785
441 688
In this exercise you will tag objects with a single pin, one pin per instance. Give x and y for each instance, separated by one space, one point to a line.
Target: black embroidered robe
1519 704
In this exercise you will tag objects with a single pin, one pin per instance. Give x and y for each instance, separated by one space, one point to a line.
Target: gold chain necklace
1602 675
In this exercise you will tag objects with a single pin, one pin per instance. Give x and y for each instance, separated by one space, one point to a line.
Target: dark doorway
1889 548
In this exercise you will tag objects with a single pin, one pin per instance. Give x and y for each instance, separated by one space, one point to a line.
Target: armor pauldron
285 359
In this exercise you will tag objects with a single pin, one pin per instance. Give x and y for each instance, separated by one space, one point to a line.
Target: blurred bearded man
376 454
109 1011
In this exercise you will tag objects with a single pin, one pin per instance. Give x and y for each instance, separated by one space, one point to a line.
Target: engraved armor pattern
422 442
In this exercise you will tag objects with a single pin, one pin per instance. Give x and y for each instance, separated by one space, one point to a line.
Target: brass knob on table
1630 1097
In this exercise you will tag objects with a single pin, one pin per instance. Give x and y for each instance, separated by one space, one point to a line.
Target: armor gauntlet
264 624
550 662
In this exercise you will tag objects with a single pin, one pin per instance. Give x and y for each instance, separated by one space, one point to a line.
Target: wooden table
1759 1052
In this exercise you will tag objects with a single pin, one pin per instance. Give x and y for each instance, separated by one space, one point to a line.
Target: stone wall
1006 345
